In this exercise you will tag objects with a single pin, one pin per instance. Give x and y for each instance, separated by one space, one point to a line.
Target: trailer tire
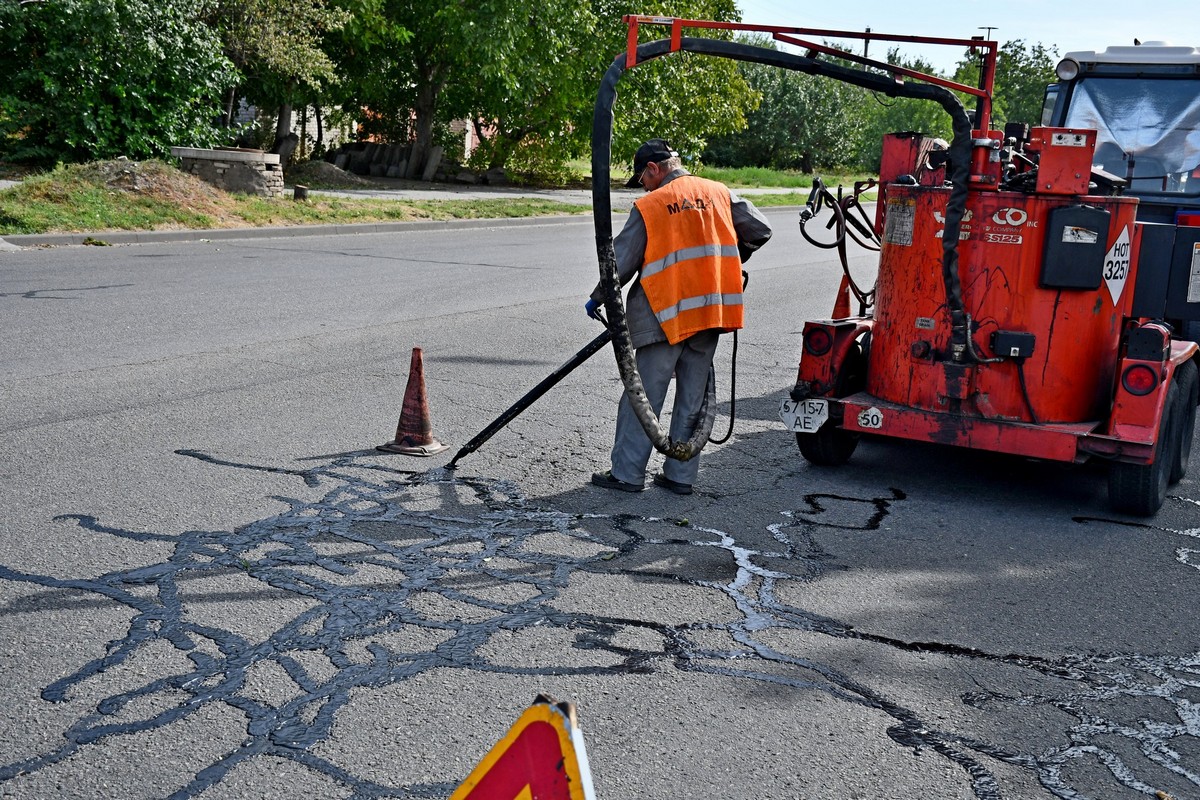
1190 329
832 446
1189 394
1140 489
828 447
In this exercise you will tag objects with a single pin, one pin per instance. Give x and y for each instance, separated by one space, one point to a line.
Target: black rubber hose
602 126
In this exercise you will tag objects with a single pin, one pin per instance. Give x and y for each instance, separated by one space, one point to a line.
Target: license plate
804 416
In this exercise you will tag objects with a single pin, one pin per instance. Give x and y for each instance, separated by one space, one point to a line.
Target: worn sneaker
674 486
607 480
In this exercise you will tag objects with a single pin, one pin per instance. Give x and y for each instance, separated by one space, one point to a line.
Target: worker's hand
592 308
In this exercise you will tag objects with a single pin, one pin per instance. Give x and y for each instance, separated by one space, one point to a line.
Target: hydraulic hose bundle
849 220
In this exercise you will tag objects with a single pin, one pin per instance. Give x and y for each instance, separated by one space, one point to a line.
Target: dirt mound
157 186
323 175
152 179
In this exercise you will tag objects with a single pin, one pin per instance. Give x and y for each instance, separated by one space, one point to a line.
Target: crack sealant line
348 618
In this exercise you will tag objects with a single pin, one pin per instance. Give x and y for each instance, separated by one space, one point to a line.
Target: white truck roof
1148 53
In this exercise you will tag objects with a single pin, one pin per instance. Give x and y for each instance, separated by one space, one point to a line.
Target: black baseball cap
653 151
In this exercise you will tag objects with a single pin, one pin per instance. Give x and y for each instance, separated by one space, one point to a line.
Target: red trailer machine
1050 360
1015 302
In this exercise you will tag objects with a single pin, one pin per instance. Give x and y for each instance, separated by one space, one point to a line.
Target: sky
1065 25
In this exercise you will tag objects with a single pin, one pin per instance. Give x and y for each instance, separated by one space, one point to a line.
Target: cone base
403 448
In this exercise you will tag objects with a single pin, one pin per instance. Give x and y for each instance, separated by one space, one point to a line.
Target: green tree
369 52
278 46
398 59
528 74
685 98
534 71
87 79
804 121
537 85
883 115
1022 73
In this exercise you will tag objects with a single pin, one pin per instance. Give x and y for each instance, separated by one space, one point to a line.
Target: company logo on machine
941 218
1012 217
1116 265
964 232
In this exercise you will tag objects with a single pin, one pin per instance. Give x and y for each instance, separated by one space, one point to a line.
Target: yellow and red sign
542 757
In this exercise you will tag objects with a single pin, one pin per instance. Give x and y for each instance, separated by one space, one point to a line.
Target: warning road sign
542 757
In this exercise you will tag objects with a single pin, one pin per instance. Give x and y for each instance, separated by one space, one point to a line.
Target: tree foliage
1022 73
278 47
533 81
884 115
401 56
93 79
527 74
808 122
803 122
685 98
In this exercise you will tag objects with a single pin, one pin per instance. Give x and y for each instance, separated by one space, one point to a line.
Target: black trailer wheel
831 446
1140 489
1190 329
1189 394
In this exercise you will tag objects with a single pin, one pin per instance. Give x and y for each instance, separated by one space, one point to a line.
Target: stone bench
234 170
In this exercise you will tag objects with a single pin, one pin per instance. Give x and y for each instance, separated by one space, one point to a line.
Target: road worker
684 241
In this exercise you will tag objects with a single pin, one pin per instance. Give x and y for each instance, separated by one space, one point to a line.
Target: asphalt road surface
213 585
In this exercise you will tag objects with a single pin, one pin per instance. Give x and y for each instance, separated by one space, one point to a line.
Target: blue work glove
592 308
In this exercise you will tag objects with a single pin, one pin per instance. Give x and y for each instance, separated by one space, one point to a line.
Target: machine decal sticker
1076 235
1193 295
1116 266
899 226
925 323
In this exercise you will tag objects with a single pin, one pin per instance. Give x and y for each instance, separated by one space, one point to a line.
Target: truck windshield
1152 125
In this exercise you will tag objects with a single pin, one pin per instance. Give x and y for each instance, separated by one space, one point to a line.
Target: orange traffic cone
414 432
841 307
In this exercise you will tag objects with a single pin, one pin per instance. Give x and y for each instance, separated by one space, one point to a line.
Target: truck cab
1143 101
1144 104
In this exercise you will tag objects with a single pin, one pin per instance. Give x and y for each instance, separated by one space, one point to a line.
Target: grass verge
108 196
760 177
152 195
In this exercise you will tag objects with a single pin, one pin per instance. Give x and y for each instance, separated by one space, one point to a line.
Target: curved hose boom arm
602 126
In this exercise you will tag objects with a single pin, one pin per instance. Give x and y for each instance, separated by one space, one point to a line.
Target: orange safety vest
691 273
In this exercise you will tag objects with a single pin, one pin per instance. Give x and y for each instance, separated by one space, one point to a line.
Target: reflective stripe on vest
691 272
692 303
689 252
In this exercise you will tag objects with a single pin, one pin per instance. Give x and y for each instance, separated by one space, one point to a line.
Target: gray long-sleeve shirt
752 230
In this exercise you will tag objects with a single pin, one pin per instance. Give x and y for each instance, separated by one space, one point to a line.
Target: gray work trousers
690 362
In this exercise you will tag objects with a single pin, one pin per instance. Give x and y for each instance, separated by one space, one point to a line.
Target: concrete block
432 164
